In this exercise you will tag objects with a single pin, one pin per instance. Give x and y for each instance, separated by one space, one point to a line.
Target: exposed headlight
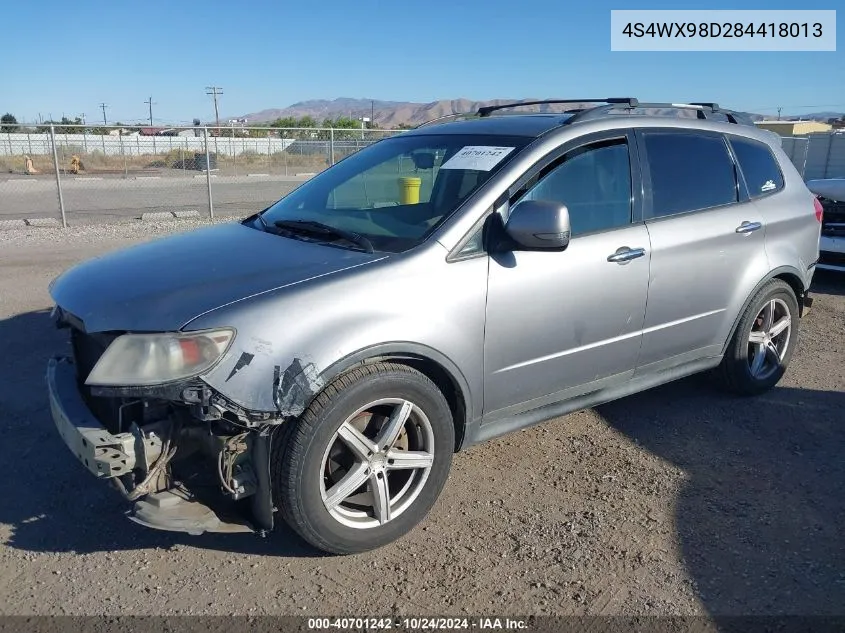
153 359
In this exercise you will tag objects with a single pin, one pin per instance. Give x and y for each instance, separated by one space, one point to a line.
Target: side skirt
588 400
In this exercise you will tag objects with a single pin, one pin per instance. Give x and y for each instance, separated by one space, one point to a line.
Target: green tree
252 133
344 123
65 126
8 123
291 123
71 126
286 122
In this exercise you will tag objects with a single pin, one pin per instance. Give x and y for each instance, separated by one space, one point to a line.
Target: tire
738 372
324 448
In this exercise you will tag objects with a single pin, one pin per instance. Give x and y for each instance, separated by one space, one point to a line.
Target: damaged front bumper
155 464
103 454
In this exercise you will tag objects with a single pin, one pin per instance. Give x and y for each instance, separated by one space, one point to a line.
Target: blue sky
67 57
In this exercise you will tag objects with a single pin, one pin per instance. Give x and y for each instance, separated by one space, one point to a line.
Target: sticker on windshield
477 157
768 185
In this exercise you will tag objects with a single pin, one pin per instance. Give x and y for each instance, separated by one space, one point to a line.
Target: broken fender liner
294 388
175 511
262 500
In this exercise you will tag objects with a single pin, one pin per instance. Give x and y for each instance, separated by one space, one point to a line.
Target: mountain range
392 114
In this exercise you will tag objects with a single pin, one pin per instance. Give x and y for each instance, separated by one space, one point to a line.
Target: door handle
624 254
748 227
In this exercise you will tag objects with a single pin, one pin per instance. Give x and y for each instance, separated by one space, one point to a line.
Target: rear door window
758 165
690 171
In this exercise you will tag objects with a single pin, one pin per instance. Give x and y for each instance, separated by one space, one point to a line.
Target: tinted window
689 172
759 167
594 182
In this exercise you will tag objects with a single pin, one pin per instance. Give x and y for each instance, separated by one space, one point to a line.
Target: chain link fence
68 173
65 173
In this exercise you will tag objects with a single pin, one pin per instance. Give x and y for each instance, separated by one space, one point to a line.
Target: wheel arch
444 373
788 274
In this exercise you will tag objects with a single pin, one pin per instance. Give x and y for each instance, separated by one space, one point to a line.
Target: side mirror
539 225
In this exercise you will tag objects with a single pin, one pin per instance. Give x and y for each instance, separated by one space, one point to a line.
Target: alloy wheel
377 463
769 339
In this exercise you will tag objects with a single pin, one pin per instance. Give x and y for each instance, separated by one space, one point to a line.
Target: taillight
819 209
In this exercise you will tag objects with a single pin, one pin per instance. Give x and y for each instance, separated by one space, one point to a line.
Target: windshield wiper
318 229
261 219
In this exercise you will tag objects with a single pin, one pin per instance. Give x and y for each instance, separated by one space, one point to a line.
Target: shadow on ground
829 282
760 519
52 503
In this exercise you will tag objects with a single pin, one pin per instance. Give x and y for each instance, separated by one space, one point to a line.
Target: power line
797 107
214 91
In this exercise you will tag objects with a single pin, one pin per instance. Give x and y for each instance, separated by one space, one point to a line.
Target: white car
831 194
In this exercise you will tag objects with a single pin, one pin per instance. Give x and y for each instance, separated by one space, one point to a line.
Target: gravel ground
676 501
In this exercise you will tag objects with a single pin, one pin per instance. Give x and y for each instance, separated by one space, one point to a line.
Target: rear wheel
763 342
366 461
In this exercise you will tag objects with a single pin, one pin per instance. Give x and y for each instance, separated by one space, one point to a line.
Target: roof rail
702 110
445 116
712 106
487 110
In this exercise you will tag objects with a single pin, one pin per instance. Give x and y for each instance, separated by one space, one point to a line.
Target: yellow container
409 190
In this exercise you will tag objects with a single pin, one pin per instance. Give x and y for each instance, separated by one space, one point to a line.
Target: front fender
292 342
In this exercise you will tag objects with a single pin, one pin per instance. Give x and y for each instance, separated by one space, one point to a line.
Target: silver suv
322 360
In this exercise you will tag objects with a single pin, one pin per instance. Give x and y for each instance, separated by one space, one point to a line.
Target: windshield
394 193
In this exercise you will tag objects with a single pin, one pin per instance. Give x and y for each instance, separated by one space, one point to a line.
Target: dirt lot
676 501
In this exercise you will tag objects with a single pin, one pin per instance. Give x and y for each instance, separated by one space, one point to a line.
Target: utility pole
779 109
372 110
150 103
103 107
214 91
84 132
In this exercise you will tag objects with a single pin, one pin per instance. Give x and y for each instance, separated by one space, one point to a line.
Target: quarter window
759 167
594 182
689 172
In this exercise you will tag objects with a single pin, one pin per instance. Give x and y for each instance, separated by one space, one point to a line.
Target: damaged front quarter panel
254 380
295 387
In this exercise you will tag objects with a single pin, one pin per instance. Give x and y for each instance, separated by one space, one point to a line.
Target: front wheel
764 341
366 461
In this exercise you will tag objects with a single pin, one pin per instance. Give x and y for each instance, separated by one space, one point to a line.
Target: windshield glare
397 191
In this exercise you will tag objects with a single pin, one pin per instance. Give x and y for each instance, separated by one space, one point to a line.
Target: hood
164 284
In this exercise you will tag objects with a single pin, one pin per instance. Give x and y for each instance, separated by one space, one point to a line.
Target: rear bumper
831 253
